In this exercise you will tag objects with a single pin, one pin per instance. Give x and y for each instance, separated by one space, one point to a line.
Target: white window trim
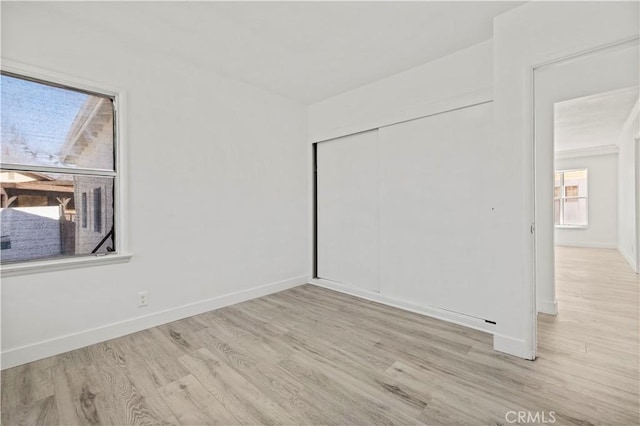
563 226
122 253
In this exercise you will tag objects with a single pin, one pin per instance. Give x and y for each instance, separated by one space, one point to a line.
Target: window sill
36 267
571 226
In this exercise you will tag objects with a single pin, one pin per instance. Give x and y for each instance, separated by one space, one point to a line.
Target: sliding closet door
348 210
435 210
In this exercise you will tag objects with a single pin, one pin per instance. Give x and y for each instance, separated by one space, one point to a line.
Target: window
570 202
83 210
97 210
58 172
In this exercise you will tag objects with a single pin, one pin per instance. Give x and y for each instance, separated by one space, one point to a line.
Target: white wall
456 80
628 187
530 35
602 205
217 191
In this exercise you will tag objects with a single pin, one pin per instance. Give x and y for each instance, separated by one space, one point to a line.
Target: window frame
121 253
563 197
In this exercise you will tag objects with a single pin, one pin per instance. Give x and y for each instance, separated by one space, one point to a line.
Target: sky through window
35 119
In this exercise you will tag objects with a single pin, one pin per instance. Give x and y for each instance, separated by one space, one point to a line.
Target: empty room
312 213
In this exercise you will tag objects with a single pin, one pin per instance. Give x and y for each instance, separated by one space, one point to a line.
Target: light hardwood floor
313 356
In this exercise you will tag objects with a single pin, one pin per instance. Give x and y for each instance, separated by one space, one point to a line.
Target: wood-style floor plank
193 404
314 356
42 412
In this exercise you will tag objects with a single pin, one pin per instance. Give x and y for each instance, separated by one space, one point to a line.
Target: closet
406 211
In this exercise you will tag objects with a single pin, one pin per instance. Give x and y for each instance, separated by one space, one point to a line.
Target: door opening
584 193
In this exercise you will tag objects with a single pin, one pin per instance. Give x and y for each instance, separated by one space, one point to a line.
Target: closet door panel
435 211
347 207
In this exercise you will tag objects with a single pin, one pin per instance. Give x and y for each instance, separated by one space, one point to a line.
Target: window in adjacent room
570 199
58 171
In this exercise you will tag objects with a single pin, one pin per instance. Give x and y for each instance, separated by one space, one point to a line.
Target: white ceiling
592 121
306 51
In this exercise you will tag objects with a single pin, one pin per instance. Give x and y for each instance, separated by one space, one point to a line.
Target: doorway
585 162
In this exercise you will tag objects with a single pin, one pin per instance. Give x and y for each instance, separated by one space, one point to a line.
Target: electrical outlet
143 298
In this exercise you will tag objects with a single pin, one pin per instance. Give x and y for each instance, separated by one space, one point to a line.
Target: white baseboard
24 354
548 307
589 245
511 346
430 311
501 343
629 259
